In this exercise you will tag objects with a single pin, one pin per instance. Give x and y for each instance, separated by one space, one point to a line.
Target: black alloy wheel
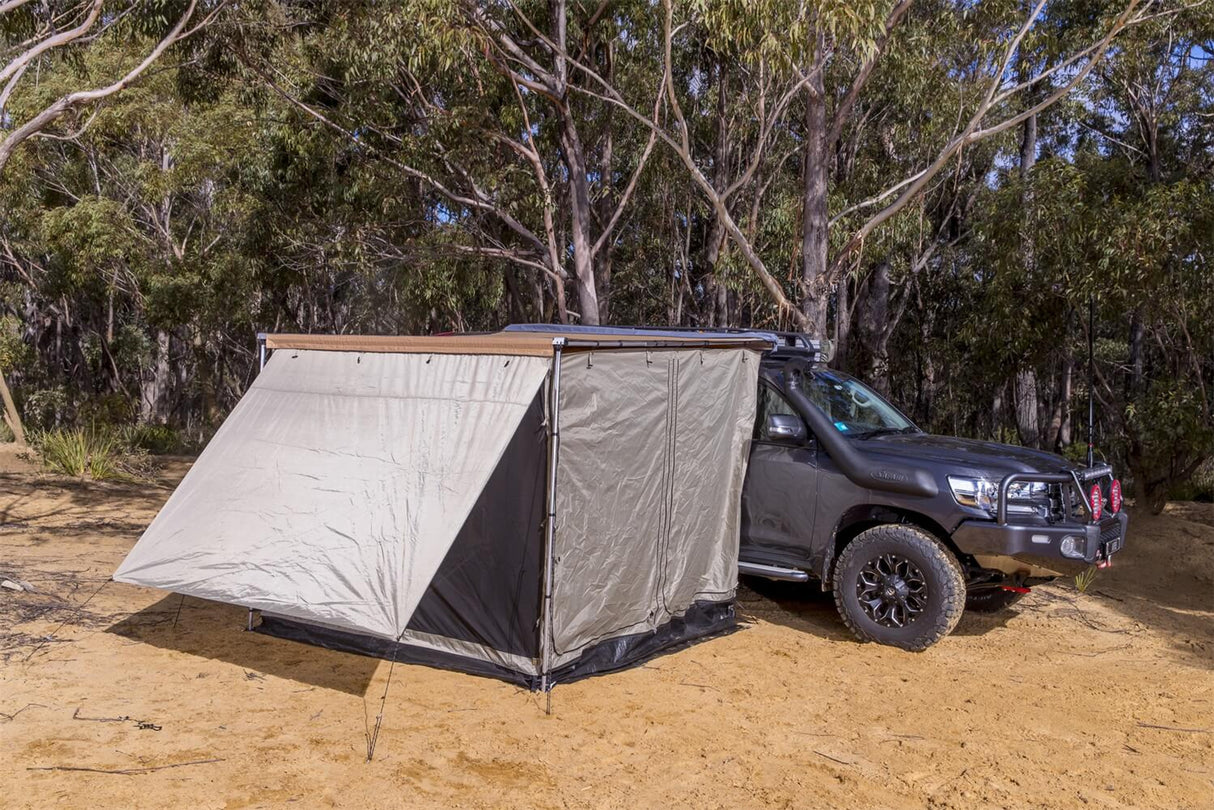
897 584
892 590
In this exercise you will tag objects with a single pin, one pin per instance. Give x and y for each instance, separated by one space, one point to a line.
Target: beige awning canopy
335 488
481 502
533 344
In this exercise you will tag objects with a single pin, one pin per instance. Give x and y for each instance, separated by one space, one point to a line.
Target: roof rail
785 344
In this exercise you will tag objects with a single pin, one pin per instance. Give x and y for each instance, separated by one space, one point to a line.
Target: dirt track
1101 700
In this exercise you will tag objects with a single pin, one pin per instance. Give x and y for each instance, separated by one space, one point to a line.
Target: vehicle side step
773 572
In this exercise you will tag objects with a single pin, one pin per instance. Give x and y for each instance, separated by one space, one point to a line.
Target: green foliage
1084 579
1200 487
157 440
103 452
357 166
79 452
44 408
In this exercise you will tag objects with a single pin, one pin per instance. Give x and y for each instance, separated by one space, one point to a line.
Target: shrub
1084 579
159 440
80 453
1200 487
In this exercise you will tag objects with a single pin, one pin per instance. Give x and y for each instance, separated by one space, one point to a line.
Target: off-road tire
991 600
941 573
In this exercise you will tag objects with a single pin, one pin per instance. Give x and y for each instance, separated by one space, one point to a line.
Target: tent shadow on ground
217 631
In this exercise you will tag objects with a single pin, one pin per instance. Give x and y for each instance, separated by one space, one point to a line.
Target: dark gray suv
907 529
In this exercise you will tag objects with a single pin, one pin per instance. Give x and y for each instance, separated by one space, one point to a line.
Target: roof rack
784 345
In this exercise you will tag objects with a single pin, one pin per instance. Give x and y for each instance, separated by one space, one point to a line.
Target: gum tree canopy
938 187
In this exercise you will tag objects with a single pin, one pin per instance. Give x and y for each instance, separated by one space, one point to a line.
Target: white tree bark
58 108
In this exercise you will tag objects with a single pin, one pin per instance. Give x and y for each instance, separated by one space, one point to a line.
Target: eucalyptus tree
36 31
34 34
464 101
123 239
812 35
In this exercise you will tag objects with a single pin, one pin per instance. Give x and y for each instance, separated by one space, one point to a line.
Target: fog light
1072 546
1097 501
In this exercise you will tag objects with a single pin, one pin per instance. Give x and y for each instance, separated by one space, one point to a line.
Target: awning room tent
390 495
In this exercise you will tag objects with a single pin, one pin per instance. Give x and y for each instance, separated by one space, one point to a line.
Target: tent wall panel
335 488
488 589
653 450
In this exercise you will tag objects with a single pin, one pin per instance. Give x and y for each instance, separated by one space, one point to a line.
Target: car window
853 407
770 401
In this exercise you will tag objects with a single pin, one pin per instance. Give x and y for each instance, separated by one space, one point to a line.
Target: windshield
854 408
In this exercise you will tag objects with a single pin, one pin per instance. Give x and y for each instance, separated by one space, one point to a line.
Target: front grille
1057 504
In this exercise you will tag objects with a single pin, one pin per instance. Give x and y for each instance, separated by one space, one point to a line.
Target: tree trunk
927 381
12 417
1063 437
608 199
1134 384
1026 408
711 311
154 396
997 412
876 328
560 298
1027 415
579 222
842 321
815 208
573 155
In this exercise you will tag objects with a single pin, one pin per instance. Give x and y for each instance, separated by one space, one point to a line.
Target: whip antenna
1091 376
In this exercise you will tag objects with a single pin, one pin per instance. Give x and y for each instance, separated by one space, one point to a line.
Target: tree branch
844 109
972 133
417 174
53 112
62 38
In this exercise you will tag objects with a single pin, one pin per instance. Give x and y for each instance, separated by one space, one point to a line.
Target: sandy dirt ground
1067 700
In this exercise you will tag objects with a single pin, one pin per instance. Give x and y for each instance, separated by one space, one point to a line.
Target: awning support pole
261 351
261 364
554 443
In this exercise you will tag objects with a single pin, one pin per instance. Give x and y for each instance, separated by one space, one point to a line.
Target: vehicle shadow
805 607
217 631
979 624
800 606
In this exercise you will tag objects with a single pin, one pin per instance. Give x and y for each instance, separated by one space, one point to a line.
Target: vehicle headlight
976 492
1028 491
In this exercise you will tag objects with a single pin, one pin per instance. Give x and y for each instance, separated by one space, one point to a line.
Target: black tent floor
702 621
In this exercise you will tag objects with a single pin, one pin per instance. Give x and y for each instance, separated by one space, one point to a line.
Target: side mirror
785 427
